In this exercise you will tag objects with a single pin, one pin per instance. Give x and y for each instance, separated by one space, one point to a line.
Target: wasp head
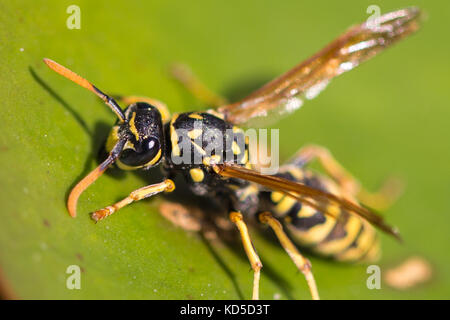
143 131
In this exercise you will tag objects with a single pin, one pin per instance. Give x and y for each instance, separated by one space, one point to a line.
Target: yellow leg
301 262
380 200
136 195
255 262
162 107
197 88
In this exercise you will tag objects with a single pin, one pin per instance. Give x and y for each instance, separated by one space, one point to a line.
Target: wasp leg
382 199
197 88
161 106
385 197
136 195
301 262
255 262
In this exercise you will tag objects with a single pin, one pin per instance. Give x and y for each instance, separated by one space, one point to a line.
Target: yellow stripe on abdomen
350 229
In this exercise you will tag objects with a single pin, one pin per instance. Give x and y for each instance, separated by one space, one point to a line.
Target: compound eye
148 153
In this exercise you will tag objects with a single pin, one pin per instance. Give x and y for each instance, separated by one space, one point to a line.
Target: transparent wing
317 199
304 82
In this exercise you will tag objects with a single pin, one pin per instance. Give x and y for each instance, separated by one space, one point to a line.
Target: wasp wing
305 81
315 198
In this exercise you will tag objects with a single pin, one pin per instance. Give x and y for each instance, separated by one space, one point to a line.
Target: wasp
323 212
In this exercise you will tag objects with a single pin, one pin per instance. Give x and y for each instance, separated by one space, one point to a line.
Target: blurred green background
389 116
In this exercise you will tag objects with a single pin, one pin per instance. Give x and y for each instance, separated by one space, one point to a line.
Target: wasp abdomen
341 236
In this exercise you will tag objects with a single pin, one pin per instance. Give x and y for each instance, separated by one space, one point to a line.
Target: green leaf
388 116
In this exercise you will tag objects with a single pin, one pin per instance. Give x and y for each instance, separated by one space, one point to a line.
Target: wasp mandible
319 212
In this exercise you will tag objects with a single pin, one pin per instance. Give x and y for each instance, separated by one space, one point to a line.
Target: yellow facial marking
155 159
112 138
133 126
197 174
129 145
124 166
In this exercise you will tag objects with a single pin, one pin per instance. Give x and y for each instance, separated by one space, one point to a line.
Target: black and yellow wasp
318 212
